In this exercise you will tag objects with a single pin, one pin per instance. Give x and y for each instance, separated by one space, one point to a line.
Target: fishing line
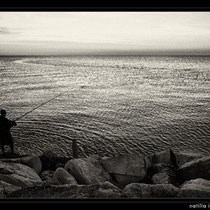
37 107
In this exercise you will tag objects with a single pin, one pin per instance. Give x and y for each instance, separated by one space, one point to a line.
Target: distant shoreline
98 55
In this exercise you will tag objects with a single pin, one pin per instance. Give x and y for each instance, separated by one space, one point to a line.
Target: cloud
4 30
7 31
44 32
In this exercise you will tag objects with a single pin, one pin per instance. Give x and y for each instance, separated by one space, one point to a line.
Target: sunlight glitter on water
111 105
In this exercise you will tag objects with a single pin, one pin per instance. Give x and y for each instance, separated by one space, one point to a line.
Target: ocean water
110 104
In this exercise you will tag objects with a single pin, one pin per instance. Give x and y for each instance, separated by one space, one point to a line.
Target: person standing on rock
5 135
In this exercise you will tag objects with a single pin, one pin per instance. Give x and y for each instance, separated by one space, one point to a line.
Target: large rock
161 178
139 190
31 161
159 157
107 190
183 157
87 170
160 168
125 169
18 174
103 190
61 176
161 173
47 175
6 189
199 168
195 189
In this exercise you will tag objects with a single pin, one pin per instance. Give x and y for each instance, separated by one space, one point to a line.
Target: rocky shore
165 174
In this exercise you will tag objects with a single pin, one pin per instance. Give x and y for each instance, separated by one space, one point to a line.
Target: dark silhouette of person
5 135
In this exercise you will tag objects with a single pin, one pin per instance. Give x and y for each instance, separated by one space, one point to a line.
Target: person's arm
11 123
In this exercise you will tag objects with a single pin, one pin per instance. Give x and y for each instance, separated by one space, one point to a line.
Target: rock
31 161
159 168
61 176
139 190
6 189
131 165
18 174
186 156
87 170
107 193
125 169
161 173
199 168
103 190
61 161
60 165
123 180
109 185
108 190
161 178
159 157
46 175
196 188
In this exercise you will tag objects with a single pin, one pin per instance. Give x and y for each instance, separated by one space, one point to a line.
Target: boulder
123 180
6 189
161 173
106 193
107 190
87 170
183 157
31 161
159 168
61 176
46 175
103 190
195 189
139 190
109 185
125 169
199 168
18 174
159 157
161 178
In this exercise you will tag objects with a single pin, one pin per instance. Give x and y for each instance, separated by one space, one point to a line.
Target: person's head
3 113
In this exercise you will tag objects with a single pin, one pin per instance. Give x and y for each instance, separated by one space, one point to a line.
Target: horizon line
59 55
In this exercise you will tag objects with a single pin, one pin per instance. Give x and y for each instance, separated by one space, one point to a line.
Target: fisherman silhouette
5 135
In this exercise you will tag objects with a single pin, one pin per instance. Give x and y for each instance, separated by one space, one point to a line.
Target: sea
111 105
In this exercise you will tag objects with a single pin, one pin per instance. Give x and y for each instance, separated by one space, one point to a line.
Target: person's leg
11 143
2 148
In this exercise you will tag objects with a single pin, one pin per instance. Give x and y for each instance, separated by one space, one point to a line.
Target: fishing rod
37 107
74 144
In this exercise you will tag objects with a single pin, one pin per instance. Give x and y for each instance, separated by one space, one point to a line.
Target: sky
104 33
